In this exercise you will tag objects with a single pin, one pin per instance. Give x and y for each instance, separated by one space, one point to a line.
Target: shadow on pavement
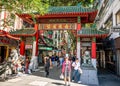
54 72
107 78
56 83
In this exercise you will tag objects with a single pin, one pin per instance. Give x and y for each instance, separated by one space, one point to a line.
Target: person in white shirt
76 74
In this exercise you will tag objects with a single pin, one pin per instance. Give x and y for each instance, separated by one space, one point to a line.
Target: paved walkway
38 79
108 79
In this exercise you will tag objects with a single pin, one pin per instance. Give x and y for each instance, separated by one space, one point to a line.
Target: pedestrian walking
73 58
56 60
47 65
27 64
66 71
61 60
39 59
76 71
53 60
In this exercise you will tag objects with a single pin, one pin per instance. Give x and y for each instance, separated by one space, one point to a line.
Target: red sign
28 46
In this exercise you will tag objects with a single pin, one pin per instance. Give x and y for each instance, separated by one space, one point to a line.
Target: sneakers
79 82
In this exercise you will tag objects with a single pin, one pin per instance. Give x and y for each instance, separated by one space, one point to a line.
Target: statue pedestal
89 76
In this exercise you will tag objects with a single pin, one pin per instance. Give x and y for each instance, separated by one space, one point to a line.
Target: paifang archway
66 18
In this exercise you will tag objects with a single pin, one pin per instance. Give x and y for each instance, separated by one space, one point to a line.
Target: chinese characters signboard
58 20
60 26
28 46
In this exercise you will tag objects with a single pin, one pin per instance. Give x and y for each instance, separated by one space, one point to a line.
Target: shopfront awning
7 39
6 34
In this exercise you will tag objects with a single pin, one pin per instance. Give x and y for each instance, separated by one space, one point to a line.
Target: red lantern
78 26
93 50
36 26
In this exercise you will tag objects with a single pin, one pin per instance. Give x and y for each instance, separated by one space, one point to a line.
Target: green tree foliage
21 6
85 3
41 6
33 6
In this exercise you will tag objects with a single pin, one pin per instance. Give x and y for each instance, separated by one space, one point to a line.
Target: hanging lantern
93 50
78 26
78 23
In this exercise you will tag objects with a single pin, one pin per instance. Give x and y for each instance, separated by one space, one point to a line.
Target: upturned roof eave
6 34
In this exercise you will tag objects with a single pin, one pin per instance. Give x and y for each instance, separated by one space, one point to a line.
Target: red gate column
93 52
36 36
22 48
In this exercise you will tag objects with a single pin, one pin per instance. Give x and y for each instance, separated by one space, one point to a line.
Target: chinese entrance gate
67 18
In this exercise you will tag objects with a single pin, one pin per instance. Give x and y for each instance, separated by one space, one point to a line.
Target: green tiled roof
64 9
24 32
89 31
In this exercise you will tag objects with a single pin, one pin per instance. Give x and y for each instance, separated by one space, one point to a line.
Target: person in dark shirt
53 60
73 59
47 65
56 60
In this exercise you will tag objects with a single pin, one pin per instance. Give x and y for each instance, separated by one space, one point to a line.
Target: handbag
80 70
61 76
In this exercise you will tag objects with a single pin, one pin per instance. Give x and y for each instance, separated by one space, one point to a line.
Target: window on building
118 18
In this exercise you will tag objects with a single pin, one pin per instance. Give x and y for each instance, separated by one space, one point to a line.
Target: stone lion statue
86 58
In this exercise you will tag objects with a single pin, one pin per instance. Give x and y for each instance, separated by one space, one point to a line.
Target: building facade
108 19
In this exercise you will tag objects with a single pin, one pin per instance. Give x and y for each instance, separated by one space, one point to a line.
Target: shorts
67 74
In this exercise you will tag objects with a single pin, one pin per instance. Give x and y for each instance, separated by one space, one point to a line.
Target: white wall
116 8
18 23
113 8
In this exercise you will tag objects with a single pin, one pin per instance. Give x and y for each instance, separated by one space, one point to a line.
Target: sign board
45 48
86 39
58 20
56 26
86 44
28 46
